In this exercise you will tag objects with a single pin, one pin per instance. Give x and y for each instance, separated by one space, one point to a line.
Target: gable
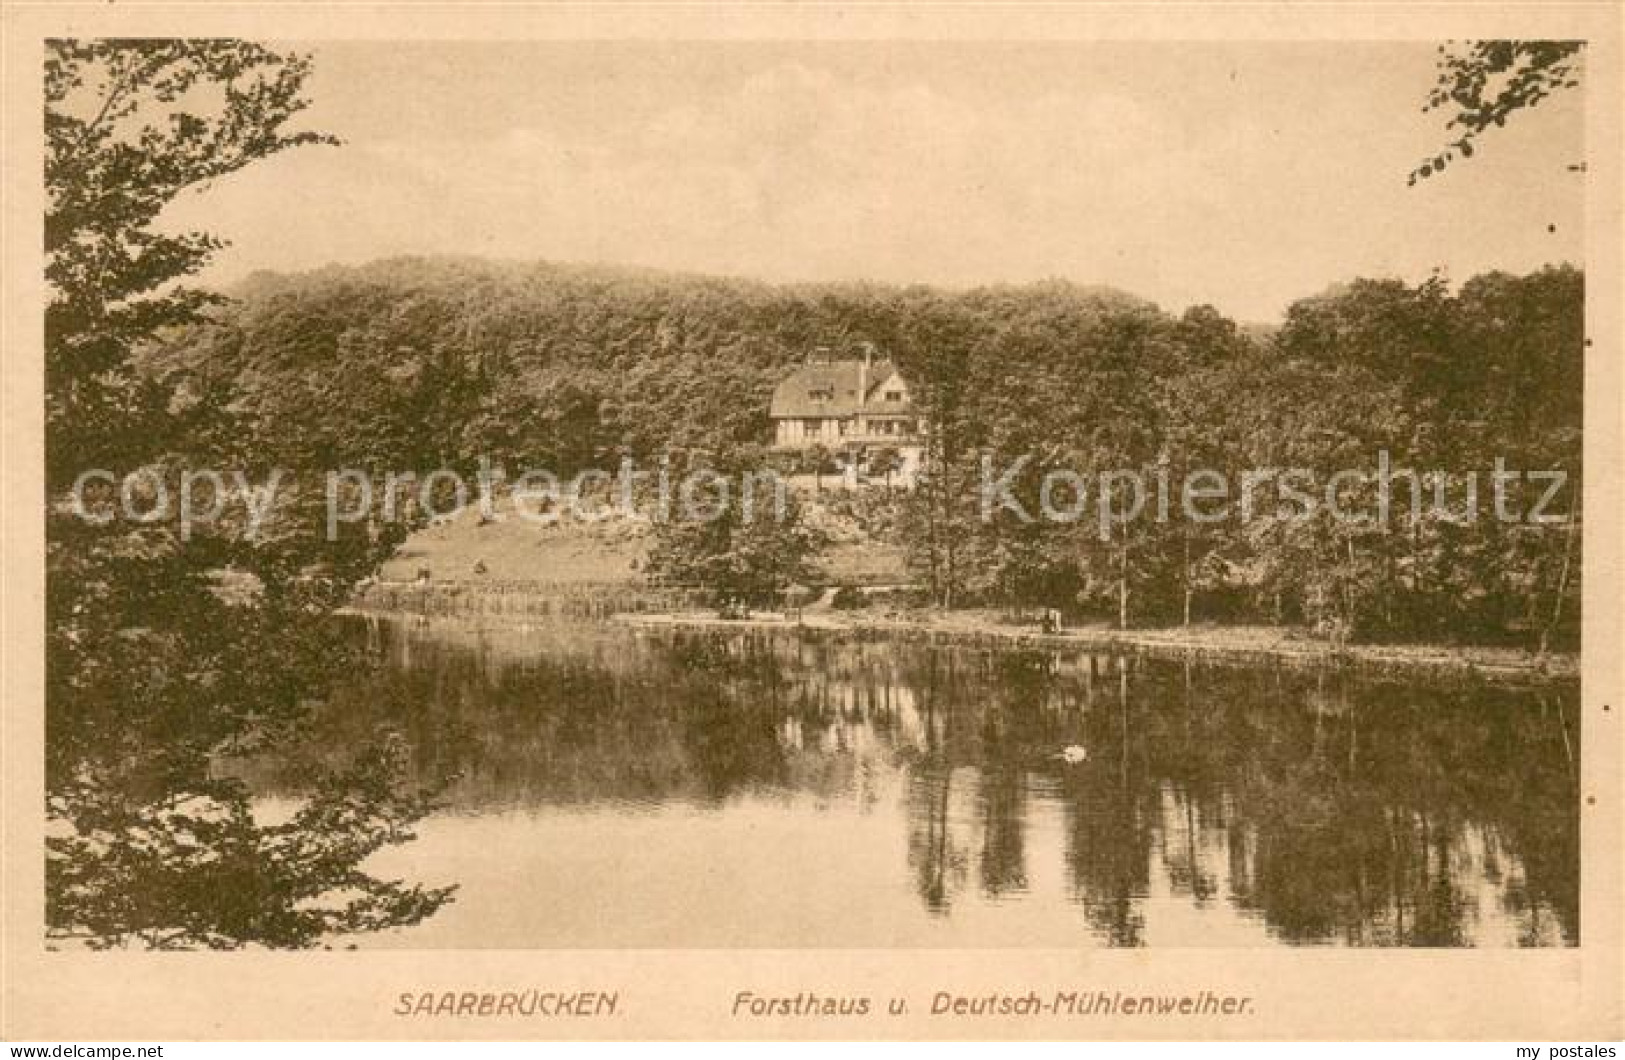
889 385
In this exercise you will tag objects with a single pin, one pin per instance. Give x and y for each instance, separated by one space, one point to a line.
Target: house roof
793 396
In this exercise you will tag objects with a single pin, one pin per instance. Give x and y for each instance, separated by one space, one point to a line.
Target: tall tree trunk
1122 587
1186 536
1348 586
949 556
1562 585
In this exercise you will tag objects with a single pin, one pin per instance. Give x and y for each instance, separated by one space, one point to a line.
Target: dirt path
1220 643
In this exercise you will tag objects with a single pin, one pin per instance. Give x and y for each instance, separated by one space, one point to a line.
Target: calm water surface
611 786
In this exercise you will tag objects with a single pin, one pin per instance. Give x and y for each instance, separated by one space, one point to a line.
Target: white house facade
859 408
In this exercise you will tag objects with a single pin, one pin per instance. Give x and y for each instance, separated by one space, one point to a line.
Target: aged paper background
1545 995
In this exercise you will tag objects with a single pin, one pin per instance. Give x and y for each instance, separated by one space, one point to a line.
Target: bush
849 598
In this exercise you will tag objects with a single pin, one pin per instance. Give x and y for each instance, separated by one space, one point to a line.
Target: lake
606 785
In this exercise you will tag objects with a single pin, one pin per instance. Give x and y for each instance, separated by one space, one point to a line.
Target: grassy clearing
609 552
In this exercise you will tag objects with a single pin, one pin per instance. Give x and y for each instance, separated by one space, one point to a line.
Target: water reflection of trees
1335 808
1365 810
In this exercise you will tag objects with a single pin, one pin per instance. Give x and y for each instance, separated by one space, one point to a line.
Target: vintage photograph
775 494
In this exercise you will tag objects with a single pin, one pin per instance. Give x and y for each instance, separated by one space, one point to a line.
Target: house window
894 395
811 428
822 394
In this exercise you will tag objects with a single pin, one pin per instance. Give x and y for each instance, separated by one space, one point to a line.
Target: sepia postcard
619 521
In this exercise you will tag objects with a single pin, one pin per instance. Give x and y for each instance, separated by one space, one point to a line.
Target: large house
858 408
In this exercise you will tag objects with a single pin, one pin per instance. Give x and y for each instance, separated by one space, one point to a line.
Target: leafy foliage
1444 384
1486 82
747 547
197 869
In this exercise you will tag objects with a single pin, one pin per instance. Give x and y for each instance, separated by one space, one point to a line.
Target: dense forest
158 664
416 364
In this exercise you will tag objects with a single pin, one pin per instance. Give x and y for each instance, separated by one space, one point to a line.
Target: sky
1241 175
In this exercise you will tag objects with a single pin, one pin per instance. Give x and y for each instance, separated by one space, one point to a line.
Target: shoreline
1240 645
1237 644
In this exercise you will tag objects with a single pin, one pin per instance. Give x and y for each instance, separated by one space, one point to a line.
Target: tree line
424 363
1439 383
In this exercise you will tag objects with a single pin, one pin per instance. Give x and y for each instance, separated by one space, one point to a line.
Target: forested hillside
413 364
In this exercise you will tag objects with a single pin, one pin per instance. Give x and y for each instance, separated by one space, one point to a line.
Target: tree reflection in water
1331 806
